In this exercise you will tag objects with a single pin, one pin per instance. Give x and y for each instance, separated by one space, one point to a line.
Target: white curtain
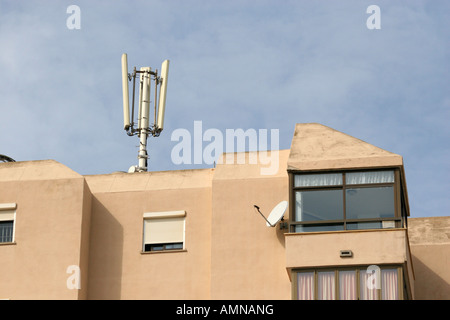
326 287
314 180
389 284
369 177
305 285
347 285
298 206
367 293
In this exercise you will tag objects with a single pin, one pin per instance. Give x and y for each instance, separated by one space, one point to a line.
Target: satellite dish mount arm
257 208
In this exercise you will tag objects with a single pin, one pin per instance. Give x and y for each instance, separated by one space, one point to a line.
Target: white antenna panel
126 103
141 79
162 94
144 102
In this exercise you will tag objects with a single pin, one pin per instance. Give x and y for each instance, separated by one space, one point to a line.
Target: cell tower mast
143 128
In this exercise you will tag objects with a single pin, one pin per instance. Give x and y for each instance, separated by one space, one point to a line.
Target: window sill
163 251
8 243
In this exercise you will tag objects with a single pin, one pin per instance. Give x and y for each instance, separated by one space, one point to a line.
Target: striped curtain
347 285
326 287
305 285
389 284
367 292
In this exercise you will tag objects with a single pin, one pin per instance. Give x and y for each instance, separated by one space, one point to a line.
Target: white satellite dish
276 214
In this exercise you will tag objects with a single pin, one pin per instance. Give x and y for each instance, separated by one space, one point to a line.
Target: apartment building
196 234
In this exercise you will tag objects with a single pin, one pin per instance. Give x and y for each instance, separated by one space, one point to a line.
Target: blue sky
233 64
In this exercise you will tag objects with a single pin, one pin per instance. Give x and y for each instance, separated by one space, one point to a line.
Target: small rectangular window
363 225
317 180
163 246
319 227
164 231
7 219
369 177
6 231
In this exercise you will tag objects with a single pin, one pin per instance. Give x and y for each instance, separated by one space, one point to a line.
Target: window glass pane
314 180
319 227
178 245
347 285
319 205
326 288
369 177
153 247
6 231
389 284
363 225
173 246
305 285
364 203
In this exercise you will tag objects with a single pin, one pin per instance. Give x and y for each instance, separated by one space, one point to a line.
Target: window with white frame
358 283
164 231
7 219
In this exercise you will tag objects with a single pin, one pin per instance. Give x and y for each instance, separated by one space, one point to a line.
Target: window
359 283
344 201
7 218
164 231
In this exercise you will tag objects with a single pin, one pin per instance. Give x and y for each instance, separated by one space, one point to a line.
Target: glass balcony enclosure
345 201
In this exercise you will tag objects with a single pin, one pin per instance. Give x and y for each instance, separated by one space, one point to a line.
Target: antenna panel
141 79
144 98
125 93
162 94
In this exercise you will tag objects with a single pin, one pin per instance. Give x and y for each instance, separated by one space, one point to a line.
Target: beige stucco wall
48 230
319 249
247 257
118 269
318 147
430 248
